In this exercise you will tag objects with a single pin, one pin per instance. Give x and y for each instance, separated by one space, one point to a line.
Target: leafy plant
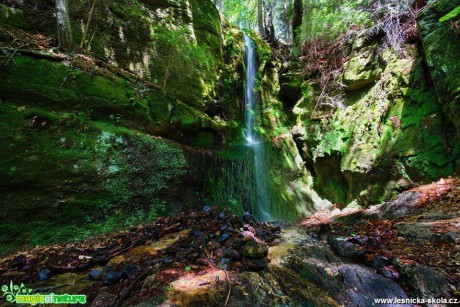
451 15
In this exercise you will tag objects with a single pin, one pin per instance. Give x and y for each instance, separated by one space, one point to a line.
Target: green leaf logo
10 292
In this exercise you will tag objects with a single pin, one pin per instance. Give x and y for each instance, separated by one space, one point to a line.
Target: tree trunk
260 17
64 30
297 21
269 28
286 23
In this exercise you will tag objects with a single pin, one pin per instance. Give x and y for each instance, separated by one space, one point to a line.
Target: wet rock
234 243
198 233
248 218
425 281
95 275
104 299
361 240
111 277
373 242
131 269
223 237
415 232
46 273
400 205
363 286
225 264
389 272
221 215
17 262
230 253
342 247
450 237
256 264
207 209
253 249
379 262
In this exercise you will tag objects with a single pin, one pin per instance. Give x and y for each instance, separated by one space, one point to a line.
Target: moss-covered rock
362 68
389 136
442 49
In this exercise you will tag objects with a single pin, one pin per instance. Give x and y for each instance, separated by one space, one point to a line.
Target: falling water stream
253 140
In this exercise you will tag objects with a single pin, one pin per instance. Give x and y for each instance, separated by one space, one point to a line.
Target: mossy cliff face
388 130
86 146
175 44
442 48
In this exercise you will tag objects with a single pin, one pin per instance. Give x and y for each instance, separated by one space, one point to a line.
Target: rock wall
392 120
101 141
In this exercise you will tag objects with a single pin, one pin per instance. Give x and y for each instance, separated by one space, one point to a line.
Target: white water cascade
252 138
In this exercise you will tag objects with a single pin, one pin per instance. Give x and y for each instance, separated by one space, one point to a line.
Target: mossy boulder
253 249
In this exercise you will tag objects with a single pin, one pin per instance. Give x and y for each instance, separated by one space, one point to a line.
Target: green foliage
180 61
241 12
451 15
143 170
328 19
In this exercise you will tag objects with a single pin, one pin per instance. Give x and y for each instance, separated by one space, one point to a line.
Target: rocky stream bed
408 247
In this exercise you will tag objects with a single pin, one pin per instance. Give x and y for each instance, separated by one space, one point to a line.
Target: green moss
64 176
13 17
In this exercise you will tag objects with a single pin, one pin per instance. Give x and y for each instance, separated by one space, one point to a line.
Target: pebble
95 275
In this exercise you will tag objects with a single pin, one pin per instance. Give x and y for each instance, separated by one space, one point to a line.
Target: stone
256 265
415 232
131 269
342 247
380 261
17 262
426 281
362 286
230 253
104 299
400 205
225 264
223 237
221 215
248 218
389 272
95 275
111 277
206 209
362 69
252 249
45 273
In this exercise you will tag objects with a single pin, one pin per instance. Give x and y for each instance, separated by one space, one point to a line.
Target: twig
122 297
138 278
90 16
38 54
229 289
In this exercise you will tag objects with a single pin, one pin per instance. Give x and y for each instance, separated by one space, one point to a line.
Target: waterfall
253 140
